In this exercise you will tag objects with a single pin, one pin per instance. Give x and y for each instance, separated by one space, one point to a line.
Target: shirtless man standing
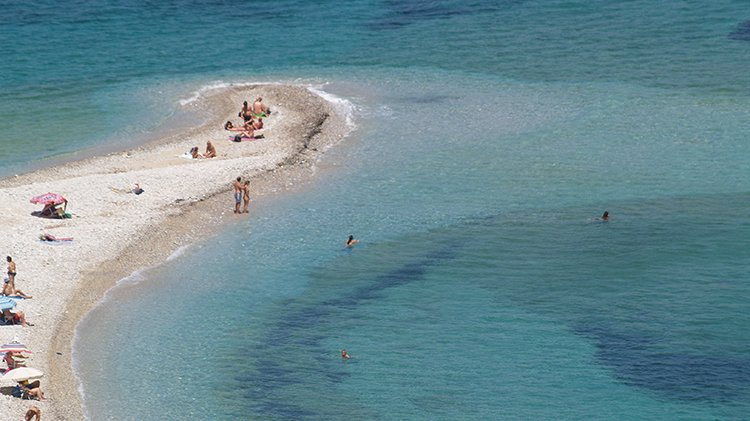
238 190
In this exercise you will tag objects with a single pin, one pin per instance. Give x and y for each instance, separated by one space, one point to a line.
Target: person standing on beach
11 272
237 194
246 196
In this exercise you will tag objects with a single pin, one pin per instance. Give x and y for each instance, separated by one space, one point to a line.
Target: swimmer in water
605 216
344 355
351 241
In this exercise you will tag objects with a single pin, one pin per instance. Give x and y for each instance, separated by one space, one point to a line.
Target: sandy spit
116 232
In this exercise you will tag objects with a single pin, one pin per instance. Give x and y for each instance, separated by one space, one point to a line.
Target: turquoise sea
489 136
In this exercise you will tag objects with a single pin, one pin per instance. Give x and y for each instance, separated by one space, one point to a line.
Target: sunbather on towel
10 318
32 390
50 237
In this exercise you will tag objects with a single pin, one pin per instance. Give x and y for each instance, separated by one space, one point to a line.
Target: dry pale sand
117 232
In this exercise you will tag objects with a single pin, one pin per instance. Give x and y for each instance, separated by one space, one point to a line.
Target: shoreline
149 228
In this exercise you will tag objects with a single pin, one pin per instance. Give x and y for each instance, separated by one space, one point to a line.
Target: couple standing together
241 194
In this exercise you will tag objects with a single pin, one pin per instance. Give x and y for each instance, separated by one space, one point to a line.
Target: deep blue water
489 137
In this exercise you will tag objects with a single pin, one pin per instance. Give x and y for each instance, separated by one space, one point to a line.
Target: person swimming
344 355
351 241
605 216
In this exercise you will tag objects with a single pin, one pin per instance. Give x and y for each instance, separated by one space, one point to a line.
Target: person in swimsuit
11 291
194 153
52 238
237 194
260 109
32 389
351 241
257 125
246 130
605 216
9 361
11 272
245 112
344 355
246 196
210 150
136 190
33 412
15 318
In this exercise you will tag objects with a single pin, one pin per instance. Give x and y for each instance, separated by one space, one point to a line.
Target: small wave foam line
346 107
219 84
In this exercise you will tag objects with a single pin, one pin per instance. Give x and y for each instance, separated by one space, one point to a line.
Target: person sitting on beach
9 360
210 150
10 290
52 211
260 109
258 124
31 390
351 241
137 189
194 153
10 318
52 238
344 355
33 412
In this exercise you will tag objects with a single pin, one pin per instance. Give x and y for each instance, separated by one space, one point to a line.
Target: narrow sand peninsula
116 232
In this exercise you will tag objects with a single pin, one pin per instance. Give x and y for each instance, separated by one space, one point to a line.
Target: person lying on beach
31 390
11 291
52 238
245 131
33 412
137 189
10 318
260 109
351 241
210 150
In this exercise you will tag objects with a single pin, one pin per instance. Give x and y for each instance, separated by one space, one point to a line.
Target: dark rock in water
742 33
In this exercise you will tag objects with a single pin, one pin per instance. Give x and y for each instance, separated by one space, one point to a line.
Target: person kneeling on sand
194 153
210 150
33 412
31 390
10 318
10 290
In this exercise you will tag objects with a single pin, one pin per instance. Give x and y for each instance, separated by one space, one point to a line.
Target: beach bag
237 138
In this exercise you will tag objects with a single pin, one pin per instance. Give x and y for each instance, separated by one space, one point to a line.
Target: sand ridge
117 232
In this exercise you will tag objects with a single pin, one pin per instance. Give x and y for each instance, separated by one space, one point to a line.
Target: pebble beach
116 232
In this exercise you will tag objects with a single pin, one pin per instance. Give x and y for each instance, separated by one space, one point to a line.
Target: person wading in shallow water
237 194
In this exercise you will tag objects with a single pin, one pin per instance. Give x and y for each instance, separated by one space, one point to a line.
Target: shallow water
490 135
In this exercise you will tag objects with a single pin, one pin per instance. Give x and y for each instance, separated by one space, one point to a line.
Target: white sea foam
346 107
